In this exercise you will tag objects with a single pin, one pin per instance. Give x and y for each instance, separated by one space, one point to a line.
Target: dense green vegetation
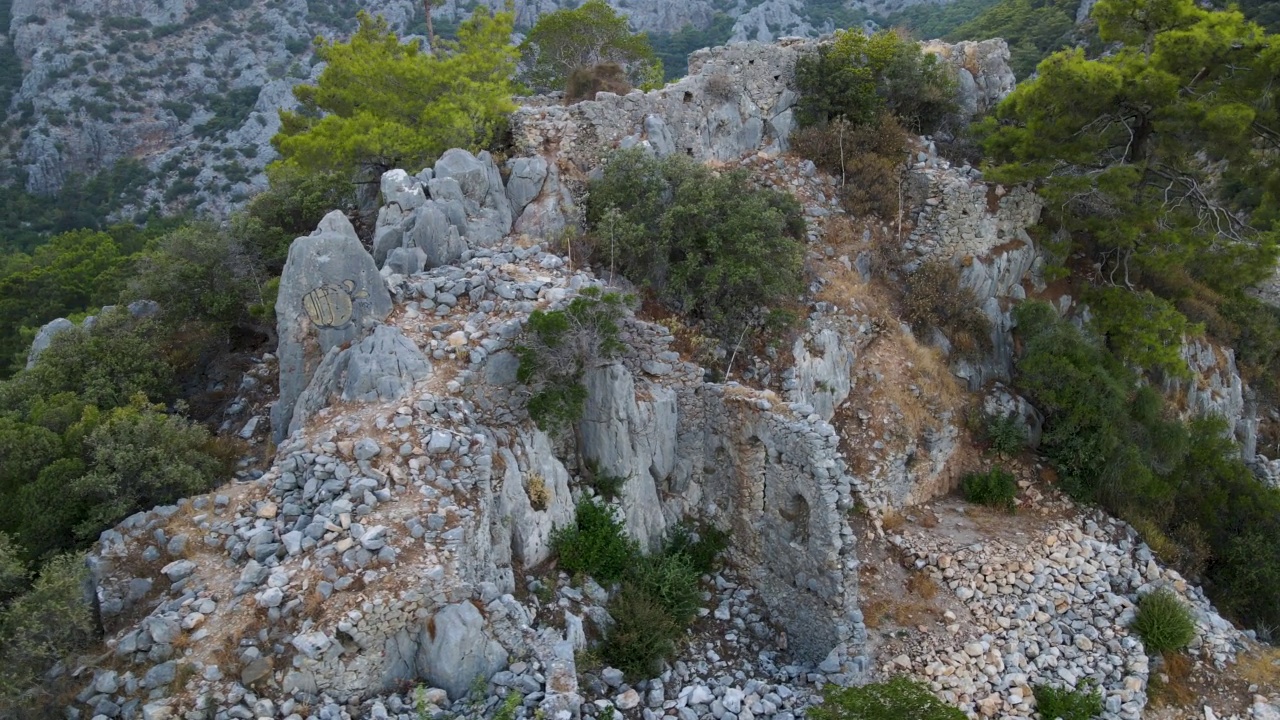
659 594
929 20
859 76
592 35
1032 28
673 49
709 246
1116 443
1083 703
382 104
83 202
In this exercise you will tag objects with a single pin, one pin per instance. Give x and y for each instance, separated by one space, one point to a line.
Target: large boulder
982 72
45 337
382 367
485 198
330 294
454 649
525 182
435 236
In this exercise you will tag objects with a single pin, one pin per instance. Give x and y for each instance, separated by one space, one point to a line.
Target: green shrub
1061 704
858 75
104 367
556 349
643 633
868 159
595 544
898 699
1142 329
934 298
672 579
42 627
995 488
703 550
1005 434
1163 622
712 247
14 575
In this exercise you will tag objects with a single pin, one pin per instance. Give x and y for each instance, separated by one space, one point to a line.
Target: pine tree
382 104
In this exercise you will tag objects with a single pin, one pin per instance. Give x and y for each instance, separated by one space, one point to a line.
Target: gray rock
312 644
106 682
178 570
525 182
402 189
45 336
255 670
160 675
382 367
439 239
330 292
366 449
459 651
440 442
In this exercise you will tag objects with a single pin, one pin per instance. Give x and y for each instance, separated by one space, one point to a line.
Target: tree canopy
1159 158
594 34
381 104
857 76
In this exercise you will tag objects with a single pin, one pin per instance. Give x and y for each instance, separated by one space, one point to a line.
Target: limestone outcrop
330 295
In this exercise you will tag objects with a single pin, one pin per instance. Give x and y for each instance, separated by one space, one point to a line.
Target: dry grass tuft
539 493
1261 667
1171 686
892 520
922 584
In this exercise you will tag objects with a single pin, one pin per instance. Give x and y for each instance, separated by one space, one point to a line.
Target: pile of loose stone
1053 608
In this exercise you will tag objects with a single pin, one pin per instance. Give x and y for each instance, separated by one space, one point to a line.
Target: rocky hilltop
193 90
400 535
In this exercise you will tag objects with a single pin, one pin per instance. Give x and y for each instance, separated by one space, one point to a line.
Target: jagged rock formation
330 294
400 533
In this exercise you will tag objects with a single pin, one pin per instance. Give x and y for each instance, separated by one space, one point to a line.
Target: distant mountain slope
192 88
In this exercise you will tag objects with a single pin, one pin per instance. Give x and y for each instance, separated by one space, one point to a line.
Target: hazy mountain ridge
192 88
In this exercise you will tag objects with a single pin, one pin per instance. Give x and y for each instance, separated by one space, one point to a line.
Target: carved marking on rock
329 305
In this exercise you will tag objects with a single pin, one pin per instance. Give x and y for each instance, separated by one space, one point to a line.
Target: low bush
703 548
1163 622
858 75
605 484
995 488
1005 435
556 349
672 580
643 634
595 544
585 82
934 298
1054 703
42 627
868 158
710 246
659 595
898 699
